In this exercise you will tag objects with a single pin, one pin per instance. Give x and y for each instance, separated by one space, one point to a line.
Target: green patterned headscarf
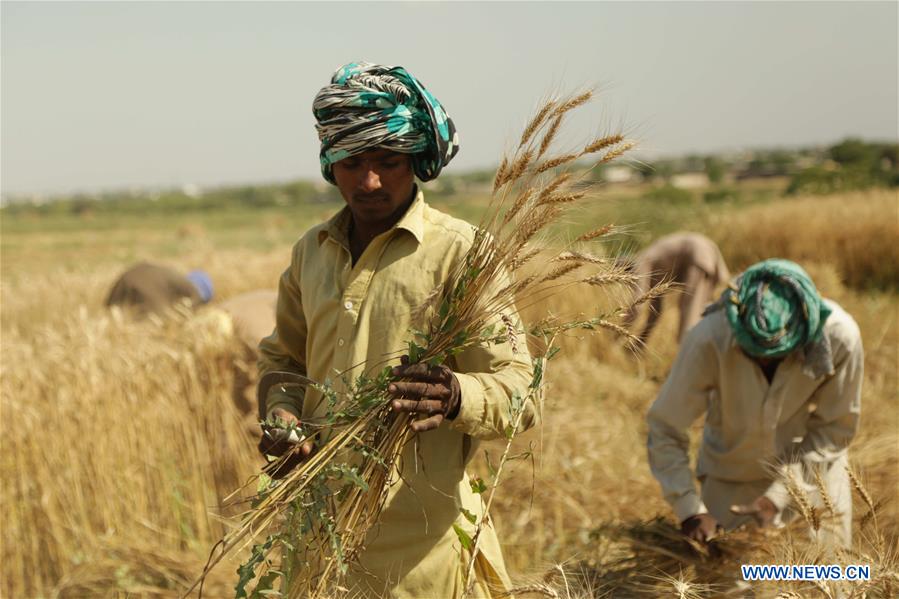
774 308
369 106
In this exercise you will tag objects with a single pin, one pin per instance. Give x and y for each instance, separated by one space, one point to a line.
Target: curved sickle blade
276 377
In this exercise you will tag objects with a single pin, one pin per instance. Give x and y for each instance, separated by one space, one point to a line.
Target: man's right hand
280 446
700 527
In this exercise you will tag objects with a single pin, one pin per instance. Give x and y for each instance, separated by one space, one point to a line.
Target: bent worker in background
149 288
691 261
252 316
346 301
777 372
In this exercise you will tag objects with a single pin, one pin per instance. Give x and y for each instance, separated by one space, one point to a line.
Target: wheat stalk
582 257
595 233
800 499
555 162
616 152
550 135
501 172
602 143
536 122
523 258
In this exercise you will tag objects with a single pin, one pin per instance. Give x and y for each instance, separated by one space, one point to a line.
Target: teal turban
369 106
774 309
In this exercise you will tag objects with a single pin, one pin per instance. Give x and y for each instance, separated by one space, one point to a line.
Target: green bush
722 194
669 194
817 180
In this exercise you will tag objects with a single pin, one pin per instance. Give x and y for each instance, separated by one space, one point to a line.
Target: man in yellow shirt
346 303
777 371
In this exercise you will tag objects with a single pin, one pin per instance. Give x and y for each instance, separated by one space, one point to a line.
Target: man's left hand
429 390
762 510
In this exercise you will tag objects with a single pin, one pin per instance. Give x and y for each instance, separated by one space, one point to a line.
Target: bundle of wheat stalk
652 558
322 510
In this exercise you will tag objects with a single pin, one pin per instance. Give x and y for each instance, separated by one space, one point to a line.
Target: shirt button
340 342
348 305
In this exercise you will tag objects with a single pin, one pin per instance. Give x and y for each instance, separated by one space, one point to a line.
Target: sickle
276 377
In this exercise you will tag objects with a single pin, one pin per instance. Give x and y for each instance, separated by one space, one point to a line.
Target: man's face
375 184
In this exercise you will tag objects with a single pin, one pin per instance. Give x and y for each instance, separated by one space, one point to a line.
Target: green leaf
265 584
415 352
350 474
469 516
490 469
537 376
247 570
263 483
477 485
444 309
460 339
464 538
552 352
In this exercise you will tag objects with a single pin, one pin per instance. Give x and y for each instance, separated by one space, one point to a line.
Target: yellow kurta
337 319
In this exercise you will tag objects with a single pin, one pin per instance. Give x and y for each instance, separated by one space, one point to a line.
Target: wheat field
120 439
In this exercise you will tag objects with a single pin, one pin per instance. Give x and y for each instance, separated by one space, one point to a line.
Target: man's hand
700 527
430 390
277 442
762 510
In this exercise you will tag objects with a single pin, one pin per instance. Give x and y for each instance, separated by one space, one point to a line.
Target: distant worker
252 316
777 372
690 260
150 288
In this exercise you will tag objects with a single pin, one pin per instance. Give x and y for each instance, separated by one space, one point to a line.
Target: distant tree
782 162
448 186
693 163
665 169
480 177
853 151
646 170
890 153
714 169
670 195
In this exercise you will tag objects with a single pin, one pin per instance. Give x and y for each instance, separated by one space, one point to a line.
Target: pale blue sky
111 95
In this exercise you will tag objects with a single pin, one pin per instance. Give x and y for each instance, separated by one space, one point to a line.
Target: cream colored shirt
337 320
751 424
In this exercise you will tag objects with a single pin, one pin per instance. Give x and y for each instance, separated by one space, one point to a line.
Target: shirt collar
413 221
794 356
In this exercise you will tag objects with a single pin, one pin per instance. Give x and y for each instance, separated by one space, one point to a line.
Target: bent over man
151 288
346 301
777 372
690 260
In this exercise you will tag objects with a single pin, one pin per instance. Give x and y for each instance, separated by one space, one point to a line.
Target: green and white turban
369 106
774 309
